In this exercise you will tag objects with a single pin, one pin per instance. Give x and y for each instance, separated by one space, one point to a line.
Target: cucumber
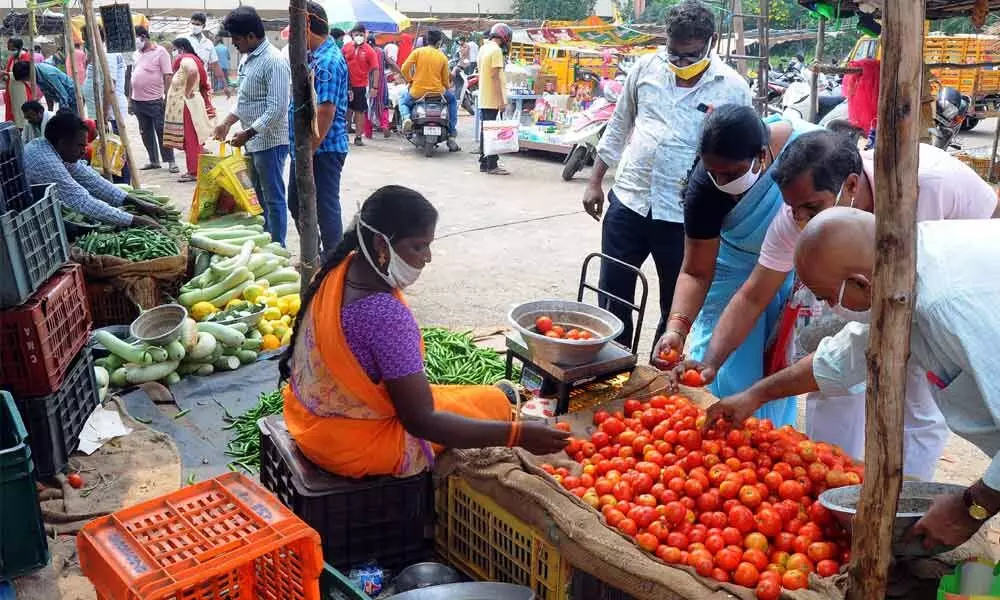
171 379
118 378
223 333
102 376
135 374
205 370
213 291
158 353
110 362
175 350
125 351
246 356
204 348
227 363
285 289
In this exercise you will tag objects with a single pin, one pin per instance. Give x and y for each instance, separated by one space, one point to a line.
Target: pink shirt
948 190
147 75
80 57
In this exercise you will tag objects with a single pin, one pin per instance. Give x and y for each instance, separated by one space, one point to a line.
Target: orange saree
342 420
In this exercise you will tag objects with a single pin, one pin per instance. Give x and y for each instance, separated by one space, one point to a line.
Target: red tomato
552 334
647 541
800 562
543 324
819 551
728 559
768 589
659 529
612 426
558 330
827 568
677 540
755 540
693 488
708 502
720 575
702 562
669 554
646 500
732 537
622 491
632 406
692 378
750 496
768 522
628 526
819 514
75 480
756 558
600 439
741 518
746 575
795 580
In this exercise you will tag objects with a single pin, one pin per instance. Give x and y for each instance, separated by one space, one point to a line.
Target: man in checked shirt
261 105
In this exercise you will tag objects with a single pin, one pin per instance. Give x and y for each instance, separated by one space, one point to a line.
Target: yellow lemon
270 342
253 292
285 339
265 327
201 310
270 300
283 305
286 319
272 313
279 328
294 304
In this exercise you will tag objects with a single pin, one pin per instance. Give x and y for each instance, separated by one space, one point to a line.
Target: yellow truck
982 85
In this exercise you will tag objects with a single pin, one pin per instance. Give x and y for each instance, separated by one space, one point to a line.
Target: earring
382 260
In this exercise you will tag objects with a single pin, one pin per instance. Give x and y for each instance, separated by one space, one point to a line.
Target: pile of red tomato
546 327
737 504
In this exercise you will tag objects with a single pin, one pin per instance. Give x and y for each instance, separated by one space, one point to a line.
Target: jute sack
140 281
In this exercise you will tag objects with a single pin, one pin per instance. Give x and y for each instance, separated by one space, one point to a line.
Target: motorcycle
466 81
430 123
795 101
588 127
951 109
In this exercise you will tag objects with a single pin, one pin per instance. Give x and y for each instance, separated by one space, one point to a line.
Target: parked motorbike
430 123
795 101
466 81
588 127
949 116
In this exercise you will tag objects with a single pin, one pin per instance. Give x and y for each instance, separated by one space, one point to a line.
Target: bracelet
683 334
515 434
684 319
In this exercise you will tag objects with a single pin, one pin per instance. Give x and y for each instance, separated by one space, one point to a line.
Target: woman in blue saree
728 204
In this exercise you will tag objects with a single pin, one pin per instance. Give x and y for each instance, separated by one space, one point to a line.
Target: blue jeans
327 168
267 169
406 105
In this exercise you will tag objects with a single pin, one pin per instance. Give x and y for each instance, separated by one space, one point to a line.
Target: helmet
502 31
949 102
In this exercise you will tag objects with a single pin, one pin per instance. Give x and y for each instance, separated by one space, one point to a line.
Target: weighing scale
543 377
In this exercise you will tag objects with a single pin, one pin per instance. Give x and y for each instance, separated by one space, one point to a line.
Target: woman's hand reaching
539 438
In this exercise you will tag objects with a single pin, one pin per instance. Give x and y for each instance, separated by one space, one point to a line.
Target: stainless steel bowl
476 590
159 326
914 500
601 323
425 574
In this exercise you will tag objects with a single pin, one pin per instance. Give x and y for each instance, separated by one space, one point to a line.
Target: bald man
953 341
819 170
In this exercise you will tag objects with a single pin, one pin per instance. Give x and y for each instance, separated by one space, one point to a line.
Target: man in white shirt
652 139
205 48
473 48
36 118
952 341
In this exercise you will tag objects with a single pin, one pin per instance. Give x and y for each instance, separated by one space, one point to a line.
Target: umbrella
374 15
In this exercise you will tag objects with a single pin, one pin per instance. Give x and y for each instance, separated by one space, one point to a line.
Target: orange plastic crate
223 538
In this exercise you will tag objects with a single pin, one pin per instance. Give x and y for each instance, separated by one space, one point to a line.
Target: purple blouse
384 336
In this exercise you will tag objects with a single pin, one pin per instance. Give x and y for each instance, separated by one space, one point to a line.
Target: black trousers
150 116
487 163
631 238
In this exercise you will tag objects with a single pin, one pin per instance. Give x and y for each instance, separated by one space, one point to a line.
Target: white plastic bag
500 137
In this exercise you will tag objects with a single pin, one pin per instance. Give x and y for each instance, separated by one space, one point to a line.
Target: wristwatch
976 510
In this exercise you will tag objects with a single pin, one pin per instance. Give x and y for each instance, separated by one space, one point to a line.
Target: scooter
430 123
951 109
795 101
588 127
466 81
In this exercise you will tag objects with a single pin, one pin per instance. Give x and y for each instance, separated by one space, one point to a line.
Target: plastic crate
32 248
23 545
489 544
55 420
388 520
15 194
584 586
40 338
222 538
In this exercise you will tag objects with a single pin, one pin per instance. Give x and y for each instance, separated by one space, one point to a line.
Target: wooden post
94 40
737 33
102 64
764 48
814 72
69 48
892 294
302 100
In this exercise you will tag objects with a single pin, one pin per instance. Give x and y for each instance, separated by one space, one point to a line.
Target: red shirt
360 62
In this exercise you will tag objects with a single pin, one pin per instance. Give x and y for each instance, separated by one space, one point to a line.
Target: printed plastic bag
233 175
116 154
500 137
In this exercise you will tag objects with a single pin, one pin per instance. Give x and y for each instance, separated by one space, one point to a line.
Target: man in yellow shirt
426 68
492 89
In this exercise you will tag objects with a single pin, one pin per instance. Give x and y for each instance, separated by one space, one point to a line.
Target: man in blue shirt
56 85
329 141
222 51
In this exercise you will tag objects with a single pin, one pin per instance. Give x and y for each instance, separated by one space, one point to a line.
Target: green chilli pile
453 358
244 446
133 244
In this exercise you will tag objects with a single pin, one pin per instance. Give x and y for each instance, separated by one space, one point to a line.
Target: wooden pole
814 72
302 100
116 109
94 40
69 49
892 294
737 32
992 175
764 47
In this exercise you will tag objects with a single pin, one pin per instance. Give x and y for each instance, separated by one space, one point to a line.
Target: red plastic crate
223 538
40 338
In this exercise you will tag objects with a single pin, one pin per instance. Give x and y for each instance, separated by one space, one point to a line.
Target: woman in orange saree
357 401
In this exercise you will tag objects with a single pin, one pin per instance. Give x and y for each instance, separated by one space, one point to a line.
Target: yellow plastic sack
207 189
116 153
233 175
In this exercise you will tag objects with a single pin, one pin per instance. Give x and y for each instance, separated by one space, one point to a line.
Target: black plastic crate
584 586
23 545
32 246
15 194
387 520
55 420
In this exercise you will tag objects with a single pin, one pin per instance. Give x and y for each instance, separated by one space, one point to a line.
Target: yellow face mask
693 70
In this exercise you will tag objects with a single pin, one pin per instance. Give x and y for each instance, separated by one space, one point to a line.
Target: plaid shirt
262 98
78 186
329 70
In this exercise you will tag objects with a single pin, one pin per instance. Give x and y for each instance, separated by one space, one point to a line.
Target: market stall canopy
934 9
373 14
589 34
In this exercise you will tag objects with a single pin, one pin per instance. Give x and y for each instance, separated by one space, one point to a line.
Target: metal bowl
159 326
478 590
914 500
604 325
425 574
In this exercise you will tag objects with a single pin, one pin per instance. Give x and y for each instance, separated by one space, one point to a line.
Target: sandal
174 169
187 178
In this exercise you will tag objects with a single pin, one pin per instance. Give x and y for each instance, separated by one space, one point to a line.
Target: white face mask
359 39
742 183
859 316
197 29
401 274
140 43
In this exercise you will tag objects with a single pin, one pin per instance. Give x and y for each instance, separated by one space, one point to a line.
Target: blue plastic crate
33 246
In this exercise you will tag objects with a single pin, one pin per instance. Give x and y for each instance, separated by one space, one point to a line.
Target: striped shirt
78 186
262 101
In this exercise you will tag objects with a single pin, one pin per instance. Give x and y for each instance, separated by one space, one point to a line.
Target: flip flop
174 169
186 178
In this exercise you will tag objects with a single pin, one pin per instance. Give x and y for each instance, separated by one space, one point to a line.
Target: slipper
150 167
498 171
187 178
174 169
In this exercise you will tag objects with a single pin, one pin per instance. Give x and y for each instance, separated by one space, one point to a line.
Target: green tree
554 9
